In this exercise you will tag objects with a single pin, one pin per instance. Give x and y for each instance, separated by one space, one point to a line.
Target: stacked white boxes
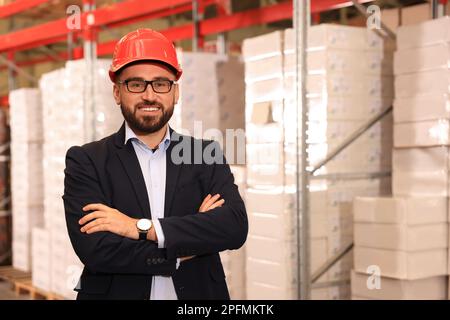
68 121
270 248
41 259
212 101
233 261
344 91
211 106
349 81
397 238
26 172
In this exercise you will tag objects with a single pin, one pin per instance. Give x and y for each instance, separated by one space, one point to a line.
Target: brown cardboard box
434 288
391 18
413 15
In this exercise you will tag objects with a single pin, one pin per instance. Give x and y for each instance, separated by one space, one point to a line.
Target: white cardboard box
434 288
401 264
427 159
422 108
422 134
420 183
263 46
270 273
401 237
424 34
262 291
41 259
434 81
414 211
422 59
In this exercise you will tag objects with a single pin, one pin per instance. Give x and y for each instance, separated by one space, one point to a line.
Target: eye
160 84
136 84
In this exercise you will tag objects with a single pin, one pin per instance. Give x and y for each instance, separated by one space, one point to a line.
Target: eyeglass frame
148 82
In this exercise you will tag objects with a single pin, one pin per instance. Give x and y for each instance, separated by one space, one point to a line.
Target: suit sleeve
223 228
104 252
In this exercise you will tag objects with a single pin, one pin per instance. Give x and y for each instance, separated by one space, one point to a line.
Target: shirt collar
130 135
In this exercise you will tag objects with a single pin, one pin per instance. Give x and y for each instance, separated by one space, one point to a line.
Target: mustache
149 104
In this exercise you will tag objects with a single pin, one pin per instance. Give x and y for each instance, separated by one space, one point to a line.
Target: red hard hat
144 44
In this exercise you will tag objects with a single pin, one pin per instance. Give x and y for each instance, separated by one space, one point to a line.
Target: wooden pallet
21 284
8 273
25 286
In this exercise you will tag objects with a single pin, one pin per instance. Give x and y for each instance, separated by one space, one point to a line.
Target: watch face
144 224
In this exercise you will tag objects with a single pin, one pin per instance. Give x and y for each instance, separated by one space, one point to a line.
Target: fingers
100 227
92 224
95 206
212 200
216 204
206 199
90 216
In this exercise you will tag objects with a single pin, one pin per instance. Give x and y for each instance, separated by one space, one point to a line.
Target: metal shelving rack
302 14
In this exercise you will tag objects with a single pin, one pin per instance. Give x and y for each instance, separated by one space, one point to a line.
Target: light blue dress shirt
153 167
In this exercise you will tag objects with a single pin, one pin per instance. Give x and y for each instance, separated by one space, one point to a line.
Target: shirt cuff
159 233
178 263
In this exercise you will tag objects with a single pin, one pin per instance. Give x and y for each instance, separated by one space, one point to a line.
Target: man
145 225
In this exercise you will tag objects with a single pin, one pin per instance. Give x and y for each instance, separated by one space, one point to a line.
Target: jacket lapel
172 173
131 166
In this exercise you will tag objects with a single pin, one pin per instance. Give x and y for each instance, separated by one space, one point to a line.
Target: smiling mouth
149 109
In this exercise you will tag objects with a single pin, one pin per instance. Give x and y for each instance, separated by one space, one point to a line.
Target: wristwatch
143 226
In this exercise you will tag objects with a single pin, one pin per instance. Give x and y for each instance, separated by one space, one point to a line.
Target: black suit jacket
108 172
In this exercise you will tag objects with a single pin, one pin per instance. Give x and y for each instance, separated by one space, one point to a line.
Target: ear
177 93
116 93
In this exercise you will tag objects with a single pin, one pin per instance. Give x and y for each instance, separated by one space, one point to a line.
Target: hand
209 203
105 218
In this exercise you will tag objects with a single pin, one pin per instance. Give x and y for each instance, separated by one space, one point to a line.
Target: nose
149 94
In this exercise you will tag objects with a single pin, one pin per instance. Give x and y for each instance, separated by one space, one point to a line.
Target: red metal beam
123 11
34 36
18 6
165 13
220 24
4 102
210 26
324 5
133 9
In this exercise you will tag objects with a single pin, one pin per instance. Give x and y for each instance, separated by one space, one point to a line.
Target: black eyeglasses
140 85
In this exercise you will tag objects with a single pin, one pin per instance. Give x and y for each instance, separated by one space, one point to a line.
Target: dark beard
148 124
